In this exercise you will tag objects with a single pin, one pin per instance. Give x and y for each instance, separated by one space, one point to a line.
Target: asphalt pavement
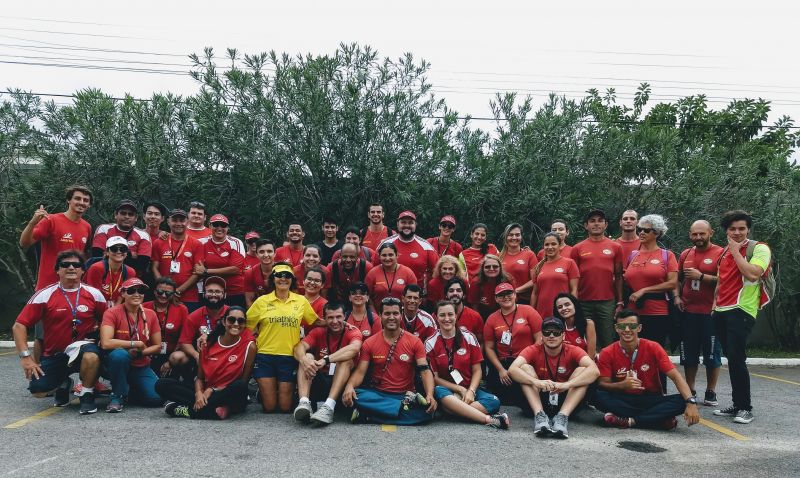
39 440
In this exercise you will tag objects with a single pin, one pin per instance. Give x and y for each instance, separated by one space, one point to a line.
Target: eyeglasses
235 320
219 224
165 293
68 264
313 281
390 301
646 230
197 204
552 333
118 249
447 225
491 267
136 290
626 326
215 292
282 275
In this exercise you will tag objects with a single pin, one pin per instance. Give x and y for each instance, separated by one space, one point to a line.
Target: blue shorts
56 369
284 367
699 335
489 401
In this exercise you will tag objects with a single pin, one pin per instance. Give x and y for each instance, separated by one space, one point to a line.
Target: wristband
132 345
327 360
24 353
701 276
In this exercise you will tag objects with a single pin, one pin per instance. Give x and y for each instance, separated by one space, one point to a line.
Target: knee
119 356
90 359
178 358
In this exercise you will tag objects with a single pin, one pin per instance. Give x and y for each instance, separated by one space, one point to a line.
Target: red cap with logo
503 287
133 282
448 218
405 214
218 218
252 235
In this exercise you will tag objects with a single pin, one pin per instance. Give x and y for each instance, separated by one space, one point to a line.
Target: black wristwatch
327 359
691 400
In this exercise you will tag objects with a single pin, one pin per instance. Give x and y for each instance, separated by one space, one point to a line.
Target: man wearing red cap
251 258
444 243
223 255
413 251
196 228
203 320
139 242
176 256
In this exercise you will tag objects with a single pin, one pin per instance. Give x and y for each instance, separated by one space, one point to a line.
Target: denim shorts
284 367
489 401
698 334
56 369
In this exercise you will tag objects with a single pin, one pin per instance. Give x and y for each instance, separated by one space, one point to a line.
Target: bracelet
701 276
132 345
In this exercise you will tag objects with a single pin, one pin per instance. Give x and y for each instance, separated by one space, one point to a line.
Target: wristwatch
25 353
327 359
691 401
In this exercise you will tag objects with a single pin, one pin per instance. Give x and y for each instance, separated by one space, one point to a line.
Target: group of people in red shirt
412 324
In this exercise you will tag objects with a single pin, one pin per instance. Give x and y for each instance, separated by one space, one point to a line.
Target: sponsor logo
84 239
224 254
131 243
404 357
323 351
233 358
461 351
187 254
414 255
578 340
83 308
560 270
607 252
401 281
170 325
365 333
655 262
520 261
562 369
67 236
644 367
520 321
622 371
707 261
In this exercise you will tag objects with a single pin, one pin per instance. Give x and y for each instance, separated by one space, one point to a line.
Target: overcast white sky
723 49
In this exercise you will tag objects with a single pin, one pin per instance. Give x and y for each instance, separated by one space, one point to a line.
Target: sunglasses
283 275
505 294
358 292
390 301
117 249
491 267
447 225
197 204
166 293
235 320
646 230
68 264
626 326
218 224
136 290
552 333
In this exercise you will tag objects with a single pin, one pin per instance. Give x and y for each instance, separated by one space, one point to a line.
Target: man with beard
413 251
629 240
554 377
416 320
202 321
392 357
376 232
697 269
176 256
292 253
196 228
470 319
346 270
140 244
329 244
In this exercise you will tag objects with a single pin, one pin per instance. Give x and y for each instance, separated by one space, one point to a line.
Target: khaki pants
602 313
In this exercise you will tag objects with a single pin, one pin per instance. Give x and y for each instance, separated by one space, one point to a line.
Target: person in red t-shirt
455 357
171 317
130 334
518 262
697 270
555 274
630 389
325 358
313 280
361 314
226 363
353 236
223 255
292 252
69 312
390 278
466 318
139 242
251 258
413 251
256 281
480 294
196 227
652 273
471 257
311 259
554 377
629 240
506 333
203 320
415 320
176 256
392 357
446 268
109 274
444 243
376 232
559 226
578 330
599 262
347 269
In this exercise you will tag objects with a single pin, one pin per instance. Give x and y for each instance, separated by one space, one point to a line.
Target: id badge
457 378
175 267
695 284
635 374
163 348
331 368
553 399
505 339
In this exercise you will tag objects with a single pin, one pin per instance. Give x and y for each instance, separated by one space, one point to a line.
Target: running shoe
323 416
670 423
115 405
612 420
303 411
726 412
412 398
541 425
560 422
87 404
499 421
62 393
744 416
710 399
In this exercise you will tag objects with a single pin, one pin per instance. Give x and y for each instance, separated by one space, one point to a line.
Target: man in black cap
140 245
599 260
554 377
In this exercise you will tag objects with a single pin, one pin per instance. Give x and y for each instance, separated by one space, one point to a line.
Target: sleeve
155 254
419 350
100 239
672 263
310 340
153 322
534 320
761 256
309 316
528 353
253 315
145 247
108 319
93 278
43 229
572 271
476 355
618 259
604 363
575 254
352 336
488 330
248 280
100 307
377 325
237 259
664 363
31 313
188 330
131 272
197 252
411 278
433 258
366 351
493 250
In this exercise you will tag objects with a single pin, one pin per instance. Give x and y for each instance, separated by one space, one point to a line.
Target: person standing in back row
413 251
444 243
377 231
629 240
329 244
599 262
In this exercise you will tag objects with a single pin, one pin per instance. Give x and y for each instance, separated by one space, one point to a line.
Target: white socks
331 403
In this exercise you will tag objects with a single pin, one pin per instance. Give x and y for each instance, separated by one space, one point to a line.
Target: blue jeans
138 383
647 409
56 369
384 407
489 401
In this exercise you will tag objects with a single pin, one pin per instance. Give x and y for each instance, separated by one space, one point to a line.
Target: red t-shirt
287 254
650 359
340 280
472 259
363 325
321 342
566 251
440 350
199 318
57 233
422 325
250 262
399 374
198 233
139 241
558 368
223 365
256 282
471 320
596 262
318 305
300 274
697 296
373 239
524 322
127 327
416 254
382 284
627 248
553 279
54 310
573 337
171 323
648 268
188 252
365 253
481 297
452 248
111 285
519 266
228 253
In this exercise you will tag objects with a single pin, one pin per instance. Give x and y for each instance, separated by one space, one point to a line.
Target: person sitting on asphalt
70 312
392 357
630 390
456 359
202 321
172 317
226 362
361 314
129 335
326 358
554 377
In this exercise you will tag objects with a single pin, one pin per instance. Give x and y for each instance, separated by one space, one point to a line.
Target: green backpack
767 280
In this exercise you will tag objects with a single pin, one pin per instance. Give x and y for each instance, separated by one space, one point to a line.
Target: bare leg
268 388
285 396
691 375
303 383
712 376
90 366
532 396
340 377
574 398
455 406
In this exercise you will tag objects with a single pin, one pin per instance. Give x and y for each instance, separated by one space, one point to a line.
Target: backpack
767 280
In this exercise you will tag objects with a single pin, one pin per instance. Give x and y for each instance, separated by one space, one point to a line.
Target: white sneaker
323 416
744 416
303 412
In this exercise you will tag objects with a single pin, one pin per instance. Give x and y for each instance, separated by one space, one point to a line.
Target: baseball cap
116 241
133 282
126 203
407 214
594 212
503 287
178 212
359 287
252 235
161 207
448 219
283 268
218 218
553 323
214 280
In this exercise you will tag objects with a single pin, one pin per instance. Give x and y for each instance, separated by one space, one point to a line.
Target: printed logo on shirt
607 252
224 254
365 333
187 254
579 340
404 357
461 351
520 321
233 358
84 239
170 325
520 261
559 269
67 236
655 262
622 371
644 367
414 255
707 260
401 281
323 351
83 308
562 370
131 243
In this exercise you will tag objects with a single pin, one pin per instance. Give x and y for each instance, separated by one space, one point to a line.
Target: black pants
657 329
234 396
647 409
508 394
733 327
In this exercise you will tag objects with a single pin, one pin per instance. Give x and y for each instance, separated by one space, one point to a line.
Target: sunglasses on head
117 249
166 293
136 290
197 204
626 326
235 320
646 230
283 275
552 333
68 264
447 225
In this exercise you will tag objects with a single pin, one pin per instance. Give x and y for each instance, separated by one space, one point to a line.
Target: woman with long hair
579 331
472 256
552 275
518 262
446 268
361 314
481 289
312 257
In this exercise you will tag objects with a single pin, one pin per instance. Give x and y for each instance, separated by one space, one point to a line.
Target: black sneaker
500 421
744 416
62 393
87 404
726 412
710 399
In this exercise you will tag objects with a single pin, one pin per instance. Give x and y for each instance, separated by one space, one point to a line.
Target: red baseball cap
503 287
215 280
448 219
252 235
218 218
133 282
407 214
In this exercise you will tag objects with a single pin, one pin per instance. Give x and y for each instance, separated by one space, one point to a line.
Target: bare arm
26 238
